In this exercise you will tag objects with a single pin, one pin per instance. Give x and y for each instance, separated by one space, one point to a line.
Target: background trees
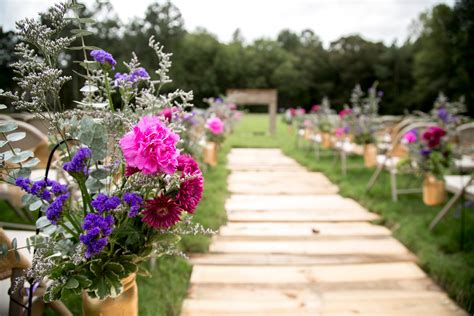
439 57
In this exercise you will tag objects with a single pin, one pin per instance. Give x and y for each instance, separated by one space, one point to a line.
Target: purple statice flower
78 163
218 100
23 183
425 152
55 209
103 203
97 230
135 202
103 57
119 77
139 73
58 188
38 187
443 115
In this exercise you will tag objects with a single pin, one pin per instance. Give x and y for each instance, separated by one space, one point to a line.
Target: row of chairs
391 150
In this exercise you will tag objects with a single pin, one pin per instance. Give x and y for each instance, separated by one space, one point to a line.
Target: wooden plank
300 216
239 307
383 302
327 203
388 246
294 259
305 275
303 229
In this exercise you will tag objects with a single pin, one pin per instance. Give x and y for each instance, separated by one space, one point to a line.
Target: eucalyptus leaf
8 126
20 157
79 32
42 222
24 172
14 243
3 143
99 174
31 163
35 205
14 137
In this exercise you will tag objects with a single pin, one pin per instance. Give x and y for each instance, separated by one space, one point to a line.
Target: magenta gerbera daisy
190 192
161 212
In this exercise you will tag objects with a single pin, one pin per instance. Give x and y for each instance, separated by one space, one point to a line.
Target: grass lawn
438 251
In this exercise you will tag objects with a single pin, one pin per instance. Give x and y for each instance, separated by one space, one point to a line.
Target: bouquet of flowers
362 120
448 114
430 152
124 191
323 112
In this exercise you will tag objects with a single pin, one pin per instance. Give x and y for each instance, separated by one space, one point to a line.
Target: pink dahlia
410 136
161 212
292 111
190 192
432 136
150 147
215 125
344 113
315 108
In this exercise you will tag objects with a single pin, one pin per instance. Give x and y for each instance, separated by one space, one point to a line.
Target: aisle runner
293 246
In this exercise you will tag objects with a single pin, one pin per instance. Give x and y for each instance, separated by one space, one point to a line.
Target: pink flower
340 131
237 116
410 136
232 106
168 113
300 111
315 108
161 212
307 123
432 136
292 112
150 147
215 125
344 113
190 192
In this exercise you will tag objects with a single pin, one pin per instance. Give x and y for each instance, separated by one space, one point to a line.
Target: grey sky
385 20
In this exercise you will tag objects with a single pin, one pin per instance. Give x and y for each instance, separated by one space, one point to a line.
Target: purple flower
23 183
443 115
425 152
97 229
103 203
135 202
103 57
78 163
139 73
55 209
380 94
119 77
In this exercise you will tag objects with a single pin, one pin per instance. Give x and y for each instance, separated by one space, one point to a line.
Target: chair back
465 134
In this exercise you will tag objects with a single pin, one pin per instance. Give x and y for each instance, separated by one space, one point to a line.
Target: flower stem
109 94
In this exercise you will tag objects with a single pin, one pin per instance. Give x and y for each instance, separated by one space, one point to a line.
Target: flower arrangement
362 117
323 120
430 151
448 114
125 190
215 129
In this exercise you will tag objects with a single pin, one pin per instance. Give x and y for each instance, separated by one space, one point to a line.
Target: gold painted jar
126 304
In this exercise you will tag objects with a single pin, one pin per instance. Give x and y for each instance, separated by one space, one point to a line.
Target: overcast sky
384 20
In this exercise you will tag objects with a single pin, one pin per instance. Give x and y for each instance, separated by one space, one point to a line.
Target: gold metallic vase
126 304
210 154
326 140
434 192
370 155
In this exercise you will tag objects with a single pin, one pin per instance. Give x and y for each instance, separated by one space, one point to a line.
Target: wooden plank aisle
293 246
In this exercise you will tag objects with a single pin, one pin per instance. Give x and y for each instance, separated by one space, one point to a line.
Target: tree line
438 56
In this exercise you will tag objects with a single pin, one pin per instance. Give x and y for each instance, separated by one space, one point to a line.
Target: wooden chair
390 160
12 267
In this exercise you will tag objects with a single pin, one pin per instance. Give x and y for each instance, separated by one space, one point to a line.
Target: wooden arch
267 97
